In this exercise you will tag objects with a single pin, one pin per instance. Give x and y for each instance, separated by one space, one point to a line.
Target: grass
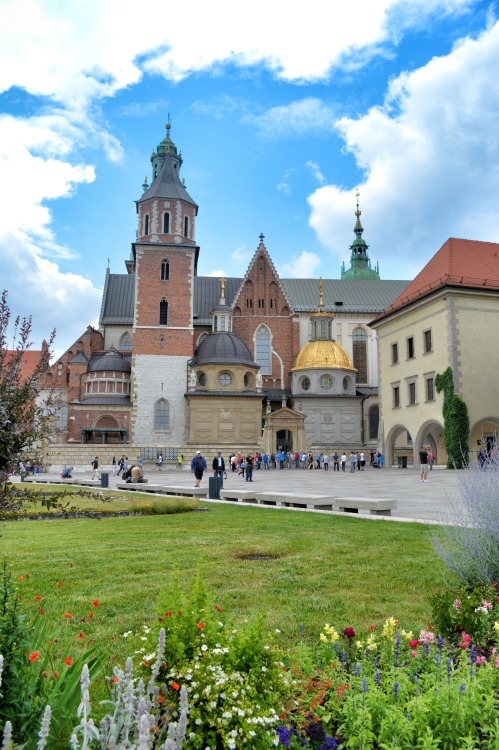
347 572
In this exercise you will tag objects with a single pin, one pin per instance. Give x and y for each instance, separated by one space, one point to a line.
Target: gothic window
166 223
146 224
126 342
162 415
359 337
263 350
61 415
373 422
165 270
163 313
186 226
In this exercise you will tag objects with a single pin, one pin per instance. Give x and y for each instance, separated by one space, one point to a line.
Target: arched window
186 226
61 415
146 224
162 415
165 270
163 313
359 337
126 342
166 223
373 422
262 350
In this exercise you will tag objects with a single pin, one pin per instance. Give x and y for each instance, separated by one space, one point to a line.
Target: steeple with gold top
360 263
321 320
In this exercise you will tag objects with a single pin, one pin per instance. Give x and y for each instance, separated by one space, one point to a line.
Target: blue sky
279 116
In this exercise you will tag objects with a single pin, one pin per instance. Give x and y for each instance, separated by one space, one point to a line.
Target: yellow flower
407 635
389 628
496 626
323 637
359 644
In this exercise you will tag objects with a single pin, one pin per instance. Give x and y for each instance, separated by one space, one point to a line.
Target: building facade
182 361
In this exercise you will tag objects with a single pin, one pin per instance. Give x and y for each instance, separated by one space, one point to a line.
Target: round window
247 379
202 379
326 382
224 378
346 384
305 384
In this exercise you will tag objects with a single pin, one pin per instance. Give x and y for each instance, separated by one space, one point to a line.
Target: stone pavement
416 500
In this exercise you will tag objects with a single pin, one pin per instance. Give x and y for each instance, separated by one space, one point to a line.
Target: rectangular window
395 354
427 342
396 397
249 303
261 304
410 348
412 393
430 389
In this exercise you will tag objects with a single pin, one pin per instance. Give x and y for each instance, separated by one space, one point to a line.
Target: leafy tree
24 419
456 422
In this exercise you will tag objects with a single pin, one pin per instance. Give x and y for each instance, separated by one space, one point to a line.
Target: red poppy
161 699
38 598
95 602
41 611
219 609
21 578
200 625
33 656
175 686
68 660
372 627
116 679
59 583
147 663
90 615
68 615
180 613
168 614
80 636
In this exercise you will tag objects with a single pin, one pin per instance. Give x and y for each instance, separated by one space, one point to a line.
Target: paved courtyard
415 500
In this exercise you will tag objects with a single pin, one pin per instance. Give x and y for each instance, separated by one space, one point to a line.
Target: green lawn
347 572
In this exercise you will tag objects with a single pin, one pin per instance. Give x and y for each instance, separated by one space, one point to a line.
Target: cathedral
181 361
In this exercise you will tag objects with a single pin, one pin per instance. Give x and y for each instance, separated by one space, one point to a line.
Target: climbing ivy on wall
456 422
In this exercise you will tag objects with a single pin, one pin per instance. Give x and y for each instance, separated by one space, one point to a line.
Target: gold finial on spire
168 124
222 287
321 301
357 212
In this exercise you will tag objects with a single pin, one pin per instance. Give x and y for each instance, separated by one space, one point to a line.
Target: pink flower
480 659
456 604
414 653
497 661
486 604
426 637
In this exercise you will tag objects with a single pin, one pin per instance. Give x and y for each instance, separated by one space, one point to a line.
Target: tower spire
360 263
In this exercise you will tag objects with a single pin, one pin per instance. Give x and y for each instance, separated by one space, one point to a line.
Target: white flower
277 630
204 647
264 669
128 632
143 638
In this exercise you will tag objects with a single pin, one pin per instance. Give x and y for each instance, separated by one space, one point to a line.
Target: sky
280 117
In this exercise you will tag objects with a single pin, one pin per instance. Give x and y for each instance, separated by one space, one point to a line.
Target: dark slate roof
167 185
79 359
356 295
117 305
207 296
107 401
223 348
371 296
111 361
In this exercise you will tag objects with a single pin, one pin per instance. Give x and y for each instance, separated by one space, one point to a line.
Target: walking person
95 468
431 459
326 462
318 460
343 461
423 462
159 462
121 464
336 461
198 467
353 462
250 461
114 466
362 457
218 465
180 462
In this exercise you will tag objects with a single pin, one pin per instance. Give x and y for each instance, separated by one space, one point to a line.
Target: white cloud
434 142
301 266
219 273
316 171
241 254
302 117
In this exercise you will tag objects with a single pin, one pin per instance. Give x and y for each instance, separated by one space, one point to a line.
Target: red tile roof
464 263
30 361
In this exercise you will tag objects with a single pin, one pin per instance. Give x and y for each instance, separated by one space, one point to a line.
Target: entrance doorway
284 440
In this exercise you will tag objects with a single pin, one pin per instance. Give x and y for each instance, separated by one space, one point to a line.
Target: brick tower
164 262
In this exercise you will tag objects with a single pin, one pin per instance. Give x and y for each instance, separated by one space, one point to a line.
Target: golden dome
323 355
